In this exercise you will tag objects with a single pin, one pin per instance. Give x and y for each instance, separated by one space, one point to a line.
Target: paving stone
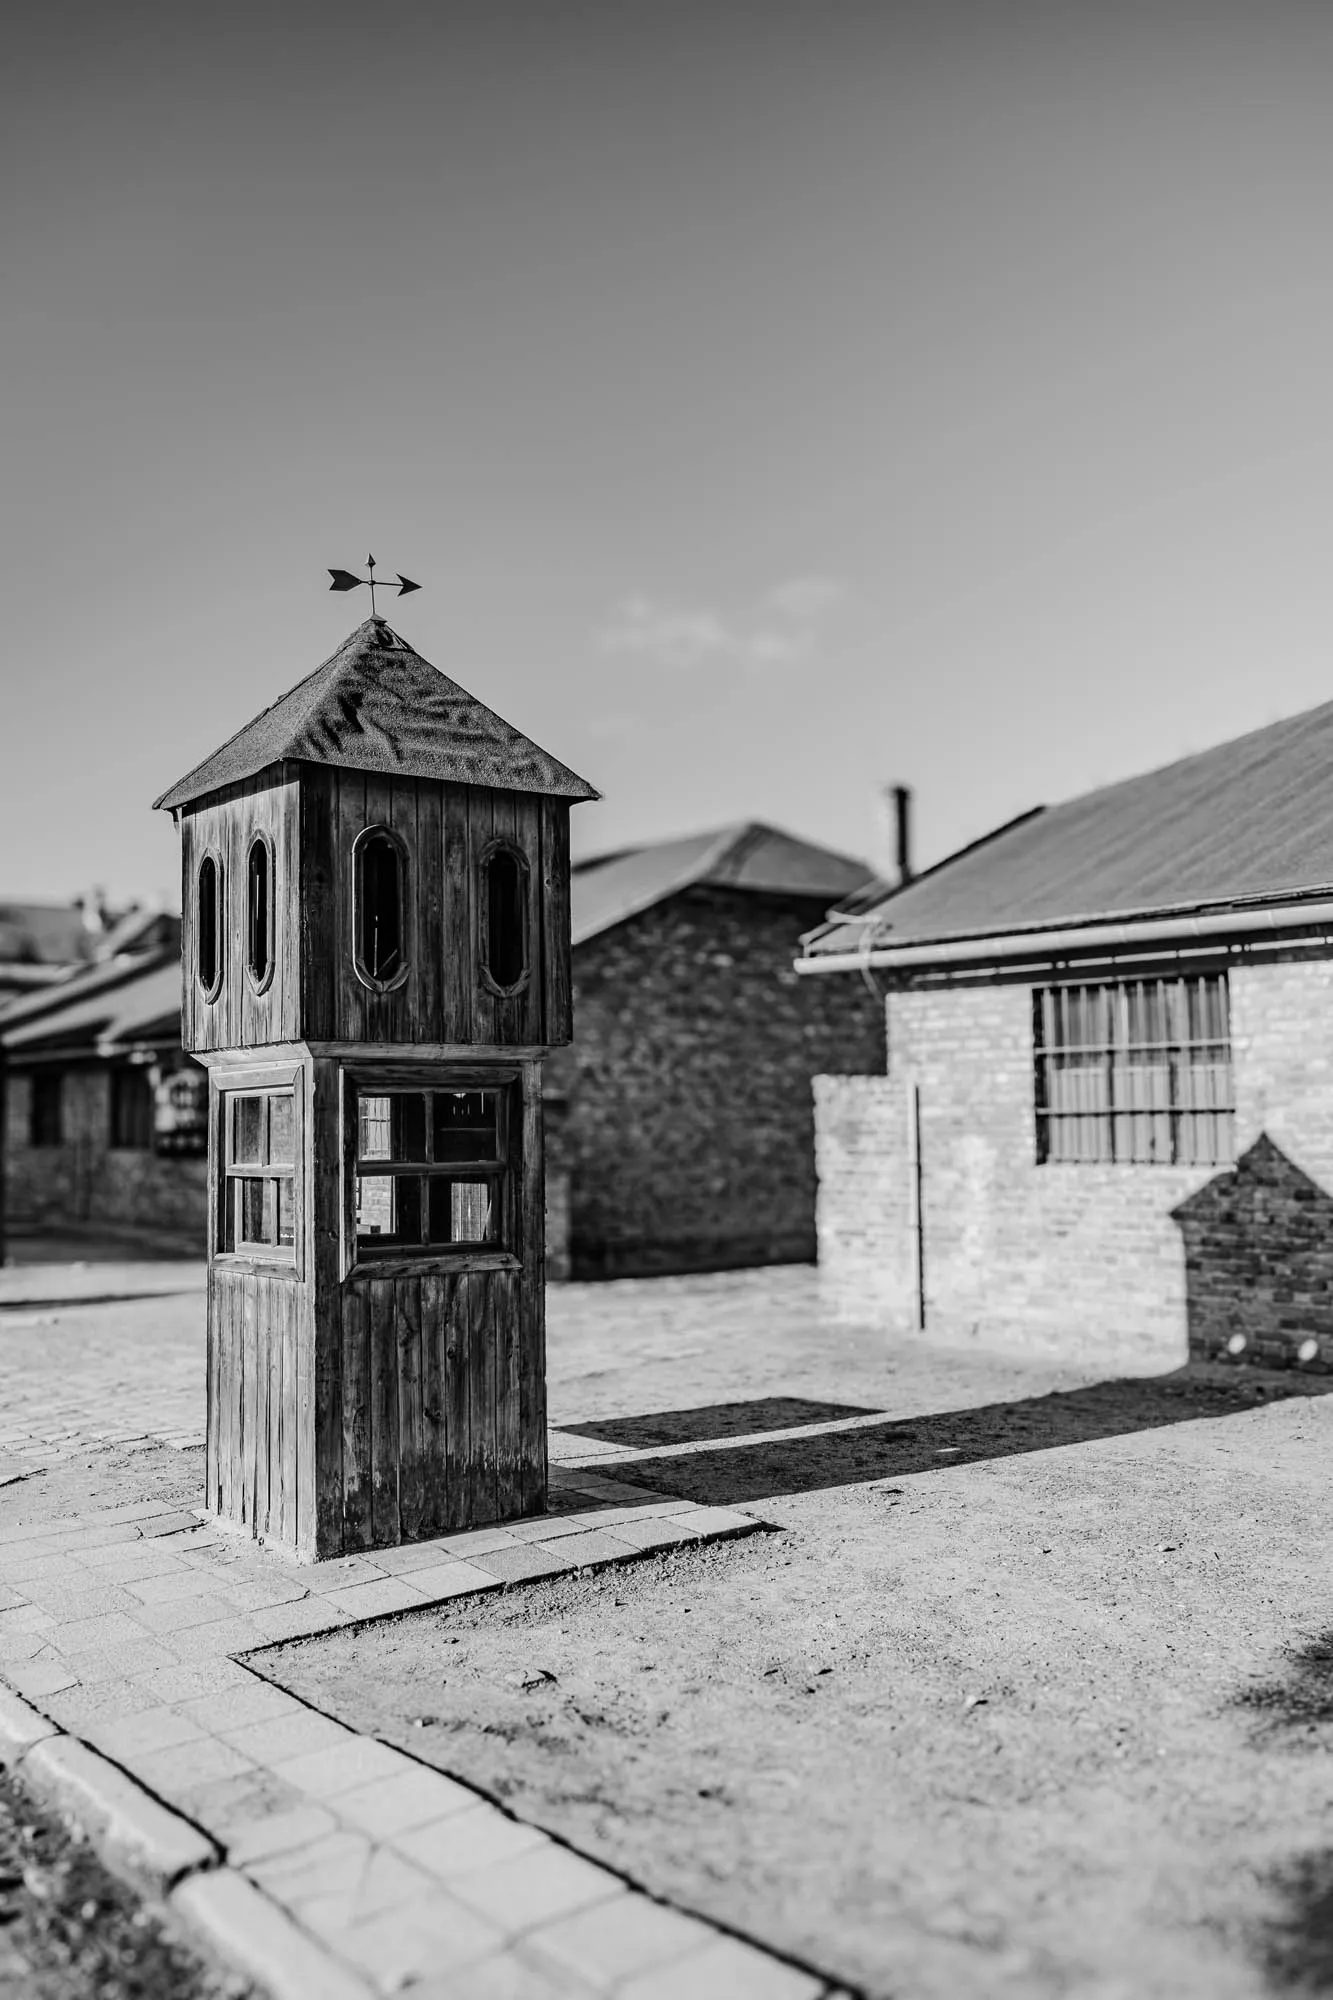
473 1542
11 1600
534 1887
515 1564
192 1763
298 1621
325 1773
179 1614
548 1527
331 1866
386 1882
248 1930
40 1676
278 1738
254 1700
725 1969
81 1707
505 1976
266 1835
21 1645
221 1804
154 1844
227 1635
90 1635
581 1551
411 1798
412 1555
74 1603
376 1599
181 1580
452 1579
151 1729
199 1678
718 1522
612 1941
402 1944
467 1840
655 1533
340 1573
127 1661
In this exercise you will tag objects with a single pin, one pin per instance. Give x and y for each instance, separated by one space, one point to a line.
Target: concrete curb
249 1932
146 1840
170 1859
21 1726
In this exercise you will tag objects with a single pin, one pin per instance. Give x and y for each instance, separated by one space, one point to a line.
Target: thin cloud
779 631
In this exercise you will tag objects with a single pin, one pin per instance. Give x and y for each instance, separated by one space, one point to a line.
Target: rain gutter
1166 932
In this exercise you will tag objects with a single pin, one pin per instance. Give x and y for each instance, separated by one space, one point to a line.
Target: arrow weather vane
344 580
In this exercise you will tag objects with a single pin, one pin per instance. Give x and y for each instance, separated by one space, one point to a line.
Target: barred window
1138 1073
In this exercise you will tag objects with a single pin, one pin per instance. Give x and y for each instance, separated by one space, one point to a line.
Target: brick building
680 1133
1105 1123
680 1125
104 1117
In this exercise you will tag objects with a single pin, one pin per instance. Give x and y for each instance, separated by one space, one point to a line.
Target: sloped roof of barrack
376 705
608 889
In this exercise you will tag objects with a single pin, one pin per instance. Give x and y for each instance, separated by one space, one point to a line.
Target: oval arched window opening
259 912
208 925
506 919
380 944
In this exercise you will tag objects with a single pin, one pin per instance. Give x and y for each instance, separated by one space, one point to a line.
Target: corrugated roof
105 1004
376 705
1247 822
749 855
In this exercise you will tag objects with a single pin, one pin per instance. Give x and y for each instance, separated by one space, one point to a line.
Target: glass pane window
258 1181
259 912
431 1170
1135 1072
505 903
208 925
378 879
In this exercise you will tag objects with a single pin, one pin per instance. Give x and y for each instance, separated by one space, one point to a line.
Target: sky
775 399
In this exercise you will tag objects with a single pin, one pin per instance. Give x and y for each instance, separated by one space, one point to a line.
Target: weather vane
344 580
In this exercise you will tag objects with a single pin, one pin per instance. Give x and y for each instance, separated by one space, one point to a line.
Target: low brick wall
84 1182
1143 1263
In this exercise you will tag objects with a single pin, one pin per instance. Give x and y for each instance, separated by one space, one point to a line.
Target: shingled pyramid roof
376 705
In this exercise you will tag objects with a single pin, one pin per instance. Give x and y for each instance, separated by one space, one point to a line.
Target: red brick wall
688 1128
1079 1259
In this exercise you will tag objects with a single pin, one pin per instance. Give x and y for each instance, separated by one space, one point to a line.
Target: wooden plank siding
251 1449
224 824
312 815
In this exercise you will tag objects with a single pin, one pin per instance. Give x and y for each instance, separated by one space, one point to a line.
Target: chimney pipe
900 800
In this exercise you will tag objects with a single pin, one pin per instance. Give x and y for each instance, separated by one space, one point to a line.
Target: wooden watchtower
376 961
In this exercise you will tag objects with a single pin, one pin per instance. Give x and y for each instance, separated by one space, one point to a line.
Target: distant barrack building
1106 1120
680 1131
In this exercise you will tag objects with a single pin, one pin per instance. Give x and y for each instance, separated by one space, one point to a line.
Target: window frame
276 1080
502 845
396 1260
261 839
122 1074
1116 1121
373 984
213 855
46 1138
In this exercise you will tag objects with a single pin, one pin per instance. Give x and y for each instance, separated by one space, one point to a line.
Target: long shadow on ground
718 1420
731 1475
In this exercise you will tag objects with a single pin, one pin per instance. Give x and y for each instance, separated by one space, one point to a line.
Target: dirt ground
1030 1695
1029 1691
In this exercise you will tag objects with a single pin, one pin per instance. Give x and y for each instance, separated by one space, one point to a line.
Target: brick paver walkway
140 1631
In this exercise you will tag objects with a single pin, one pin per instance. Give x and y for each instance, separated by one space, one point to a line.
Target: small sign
180 1113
